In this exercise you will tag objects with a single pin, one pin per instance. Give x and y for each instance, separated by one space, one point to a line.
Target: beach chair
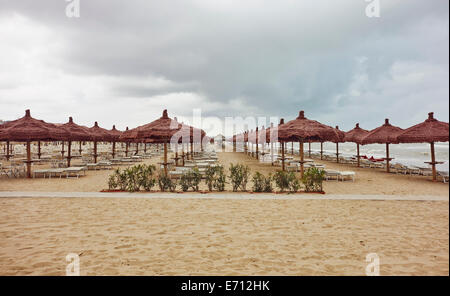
329 174
39 172
56 172
347 175
75 171
443 175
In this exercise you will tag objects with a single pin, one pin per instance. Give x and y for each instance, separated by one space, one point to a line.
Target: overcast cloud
122 62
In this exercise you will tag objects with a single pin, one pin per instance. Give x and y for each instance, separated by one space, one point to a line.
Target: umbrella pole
176 153
182 152
433 162
302 159
39 149
309 149
113 149
126 149
337 152
192 150
62 150
257 146
80 150
321 150
95 151
145 147
271 151
357 154
282 156
292 148
69 152
28 159
165 158
137 148
7 151
387 158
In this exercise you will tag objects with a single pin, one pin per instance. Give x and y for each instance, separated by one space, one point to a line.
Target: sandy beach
368 181
222 237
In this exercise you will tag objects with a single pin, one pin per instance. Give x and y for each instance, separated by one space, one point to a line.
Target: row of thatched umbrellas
303 130
161 131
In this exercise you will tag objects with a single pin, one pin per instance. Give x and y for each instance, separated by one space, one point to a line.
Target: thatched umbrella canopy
28 129
158 131
303 130
355 135
115 137
74 132
340 139
385 134
429 131
99 135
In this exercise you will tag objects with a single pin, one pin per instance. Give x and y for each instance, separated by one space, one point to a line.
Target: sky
123 62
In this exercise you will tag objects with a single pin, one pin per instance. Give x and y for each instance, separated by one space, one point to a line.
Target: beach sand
368 181
222 237
154 236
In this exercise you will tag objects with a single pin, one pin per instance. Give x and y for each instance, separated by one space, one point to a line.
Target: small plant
113 180
146 179
215 178
184 182
239 176
258 180
313 180
220 180
268 184
165 183
210 175
195 178
294 183
281 179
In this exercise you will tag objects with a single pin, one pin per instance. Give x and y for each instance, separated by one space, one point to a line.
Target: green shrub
133 178
113 180
258 180
195 177
220 179
184 182
268 184
313 180
165 183
215 178
210 175
190 179
281 179
286 181
294 183
239 176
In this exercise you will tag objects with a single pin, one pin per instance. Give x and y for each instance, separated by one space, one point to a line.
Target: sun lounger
347 175
332 173
444 176
75 171
92 166
55 172
38 172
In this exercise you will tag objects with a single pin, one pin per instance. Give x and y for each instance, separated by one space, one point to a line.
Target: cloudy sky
123 62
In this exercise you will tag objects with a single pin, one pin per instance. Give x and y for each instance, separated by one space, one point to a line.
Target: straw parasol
28 129
355 135
99 134
158 131
340 139
302 129
429 131
74 132
385 134
115 137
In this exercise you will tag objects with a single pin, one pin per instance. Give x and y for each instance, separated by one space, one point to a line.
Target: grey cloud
278 58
